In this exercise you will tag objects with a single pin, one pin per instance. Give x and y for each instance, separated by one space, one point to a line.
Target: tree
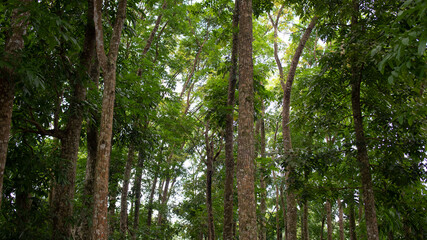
13 45
246 151
108 66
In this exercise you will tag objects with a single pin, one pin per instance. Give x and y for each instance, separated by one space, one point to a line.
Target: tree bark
263 188
124 196
14 44
341 219
278 228
63 193
108 66
137 192
362 152
209 173
352 220
287 144
329 219
150 202
229 152
164 201
305 235
246 148
322 227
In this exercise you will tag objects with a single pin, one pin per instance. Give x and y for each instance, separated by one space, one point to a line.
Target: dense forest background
174 119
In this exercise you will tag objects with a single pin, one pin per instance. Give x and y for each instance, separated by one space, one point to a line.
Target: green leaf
405 41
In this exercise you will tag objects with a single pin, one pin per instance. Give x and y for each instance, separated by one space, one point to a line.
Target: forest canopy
213 119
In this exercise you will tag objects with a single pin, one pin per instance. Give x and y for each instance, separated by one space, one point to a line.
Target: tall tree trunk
164 201
278 228
150 202
246 148
352 219
108 66
322 227
362 152
63 193
287 143
91 134
14 43
305 235
229 153
124 196
209 173
341 219
137 193
263 188
329 219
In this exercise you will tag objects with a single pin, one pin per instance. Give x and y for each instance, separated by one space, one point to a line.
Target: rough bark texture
209 173
262 235
246 148
362 152
137 192
287 144
329 219
229 153
63 193
341 219
124 196
108 66
14 44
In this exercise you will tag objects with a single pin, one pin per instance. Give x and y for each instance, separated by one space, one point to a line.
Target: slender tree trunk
137 193
124 196
150 202
108 65
278 228
164 201
341 219
229 153
263 188
305 235
362 152
287 143
246 148
352 220
209 173
323 227
329 219
14 43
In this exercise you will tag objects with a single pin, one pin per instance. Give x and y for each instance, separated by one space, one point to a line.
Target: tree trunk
164 202
150 202
108 66
362 152
263 188
209 173
305 235
63 193
137 193
124 196
329 219
14 43
341 219
278 228
246 148
287 143
322 227
229 152
352 220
